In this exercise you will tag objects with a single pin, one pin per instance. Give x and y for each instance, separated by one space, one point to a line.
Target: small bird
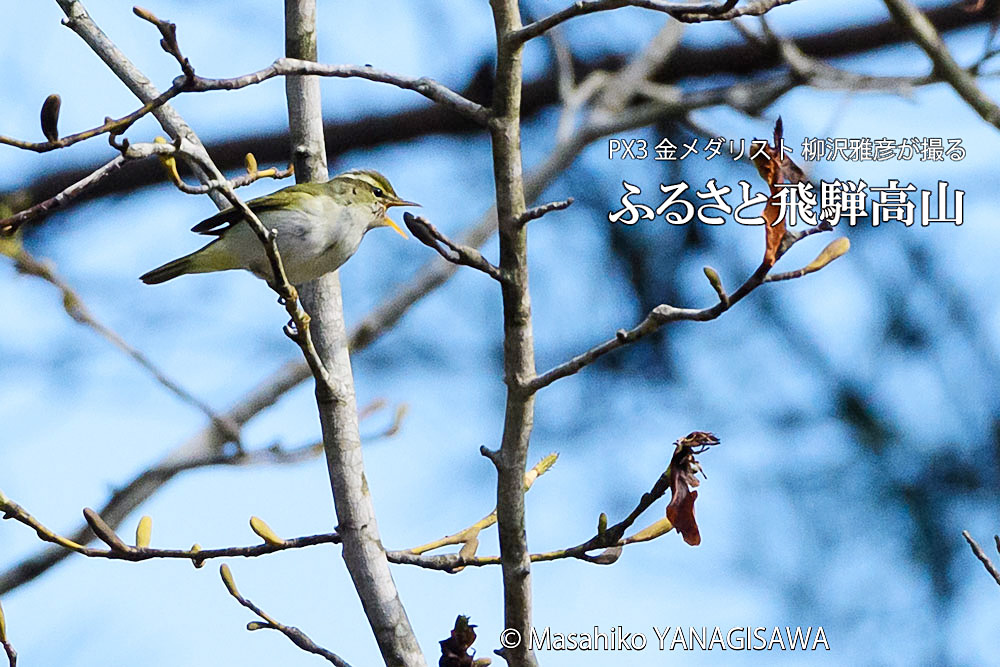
319 227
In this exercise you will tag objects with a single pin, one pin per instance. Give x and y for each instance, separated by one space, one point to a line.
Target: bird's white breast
312 241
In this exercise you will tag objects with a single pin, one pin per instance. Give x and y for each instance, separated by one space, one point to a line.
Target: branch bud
143 532
198 563
227 579
50 117
832 251
104 531
264 531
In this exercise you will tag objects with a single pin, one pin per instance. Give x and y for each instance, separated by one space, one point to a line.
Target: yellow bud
713 277
832 251
143 532
539 469
251 163
602 523
227 579
3 626
264 531
652 531
198 564
256 625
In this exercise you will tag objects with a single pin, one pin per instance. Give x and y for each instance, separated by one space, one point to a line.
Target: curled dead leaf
455 649
684 468
774 167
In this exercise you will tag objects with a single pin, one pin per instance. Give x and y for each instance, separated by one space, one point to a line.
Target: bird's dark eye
378 192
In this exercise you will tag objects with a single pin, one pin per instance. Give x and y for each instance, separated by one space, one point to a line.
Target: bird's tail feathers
169 271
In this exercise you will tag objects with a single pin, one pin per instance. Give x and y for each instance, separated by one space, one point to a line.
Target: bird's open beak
391 223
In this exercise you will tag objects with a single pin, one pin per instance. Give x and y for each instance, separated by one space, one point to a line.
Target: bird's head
369 187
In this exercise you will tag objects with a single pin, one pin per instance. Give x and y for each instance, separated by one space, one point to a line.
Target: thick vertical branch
362 547
519 353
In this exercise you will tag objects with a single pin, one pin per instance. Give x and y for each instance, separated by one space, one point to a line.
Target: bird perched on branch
319 226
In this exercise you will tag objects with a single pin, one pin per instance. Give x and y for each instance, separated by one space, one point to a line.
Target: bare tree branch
119 550
538 211
363 552
981 555
922 31
459 254
658 317
296 636
429 88
583 7
108 127
724 10
8 648
609 539
77 309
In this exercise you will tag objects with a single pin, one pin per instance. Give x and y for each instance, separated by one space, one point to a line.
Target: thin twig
536 212
429 88
119 550
981 555
583 7
190 82
464 255
110 126
686 12
462 536
5 641
77 309
611 539
923 33
296 636
657 317
10 224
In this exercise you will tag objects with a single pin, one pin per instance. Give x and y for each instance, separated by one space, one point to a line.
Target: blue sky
794 533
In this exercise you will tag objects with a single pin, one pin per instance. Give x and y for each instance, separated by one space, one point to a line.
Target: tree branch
8 648
108 127
77 309
922 31
119 550
519 351
363 552
724 10
459 254
609 539
296 636
658 317
583 7
538 211
981 555
429 88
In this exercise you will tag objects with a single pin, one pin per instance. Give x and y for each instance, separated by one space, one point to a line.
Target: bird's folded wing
224 219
